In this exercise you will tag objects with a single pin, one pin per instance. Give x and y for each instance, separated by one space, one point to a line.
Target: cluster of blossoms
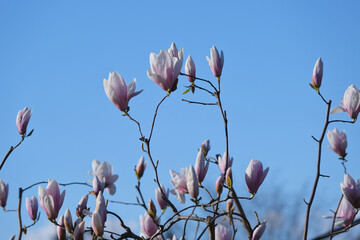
165 69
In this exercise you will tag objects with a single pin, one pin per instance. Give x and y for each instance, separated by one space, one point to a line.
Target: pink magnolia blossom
140 168
82 205
99 215
338 142
192 183
317 74
345 214
350 103
161 202
60 229
50 199
200 167
254 175
219 185
4 191
205 146
216 62
259 231
147 225
104 172
68 222
98 185
165 68
351 190
222 232
32 207
79 231
222 162
22 120
179 181
118 92
190 69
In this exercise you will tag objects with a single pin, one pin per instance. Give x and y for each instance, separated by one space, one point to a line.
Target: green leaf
30 133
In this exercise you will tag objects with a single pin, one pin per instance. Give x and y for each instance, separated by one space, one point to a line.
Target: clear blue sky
55 55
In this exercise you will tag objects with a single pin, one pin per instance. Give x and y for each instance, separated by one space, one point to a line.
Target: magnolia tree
203 209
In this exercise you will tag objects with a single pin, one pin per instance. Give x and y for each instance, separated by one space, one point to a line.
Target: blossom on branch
338 142
22 119
118 92
222 162
60 228
82 205
317 74
351 190
200 167
192 183
254 175
32 207
259 231
99 215
345 214
222 233
216 62
165 68
161 202
147 225
190 69
179 181
50 199
4 191
140 168
350 103
104 173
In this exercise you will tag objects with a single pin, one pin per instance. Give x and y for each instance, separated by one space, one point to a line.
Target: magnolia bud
192 183
140 168
228 177
68 221
151 208
32 207
190 69
219 185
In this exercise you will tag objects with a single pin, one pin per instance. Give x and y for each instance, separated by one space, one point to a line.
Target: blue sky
54 57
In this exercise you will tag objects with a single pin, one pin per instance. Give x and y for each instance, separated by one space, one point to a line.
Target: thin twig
10 151
153 122
202 103
317 177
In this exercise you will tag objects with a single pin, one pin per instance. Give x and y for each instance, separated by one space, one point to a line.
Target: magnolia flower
205 146
180 184
117 91
98 185
147 225
190 69
192 183
81 206
104 172
99 215
79 230
60 229
216 62
345 214
350 103
338 142
68 222
161 202
317 74
351 190
4 191
222 232
259 230
140 168
219 185
50 199
151 208
230 206
200 167
23 119
165 68
222 162
254 175
32 207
